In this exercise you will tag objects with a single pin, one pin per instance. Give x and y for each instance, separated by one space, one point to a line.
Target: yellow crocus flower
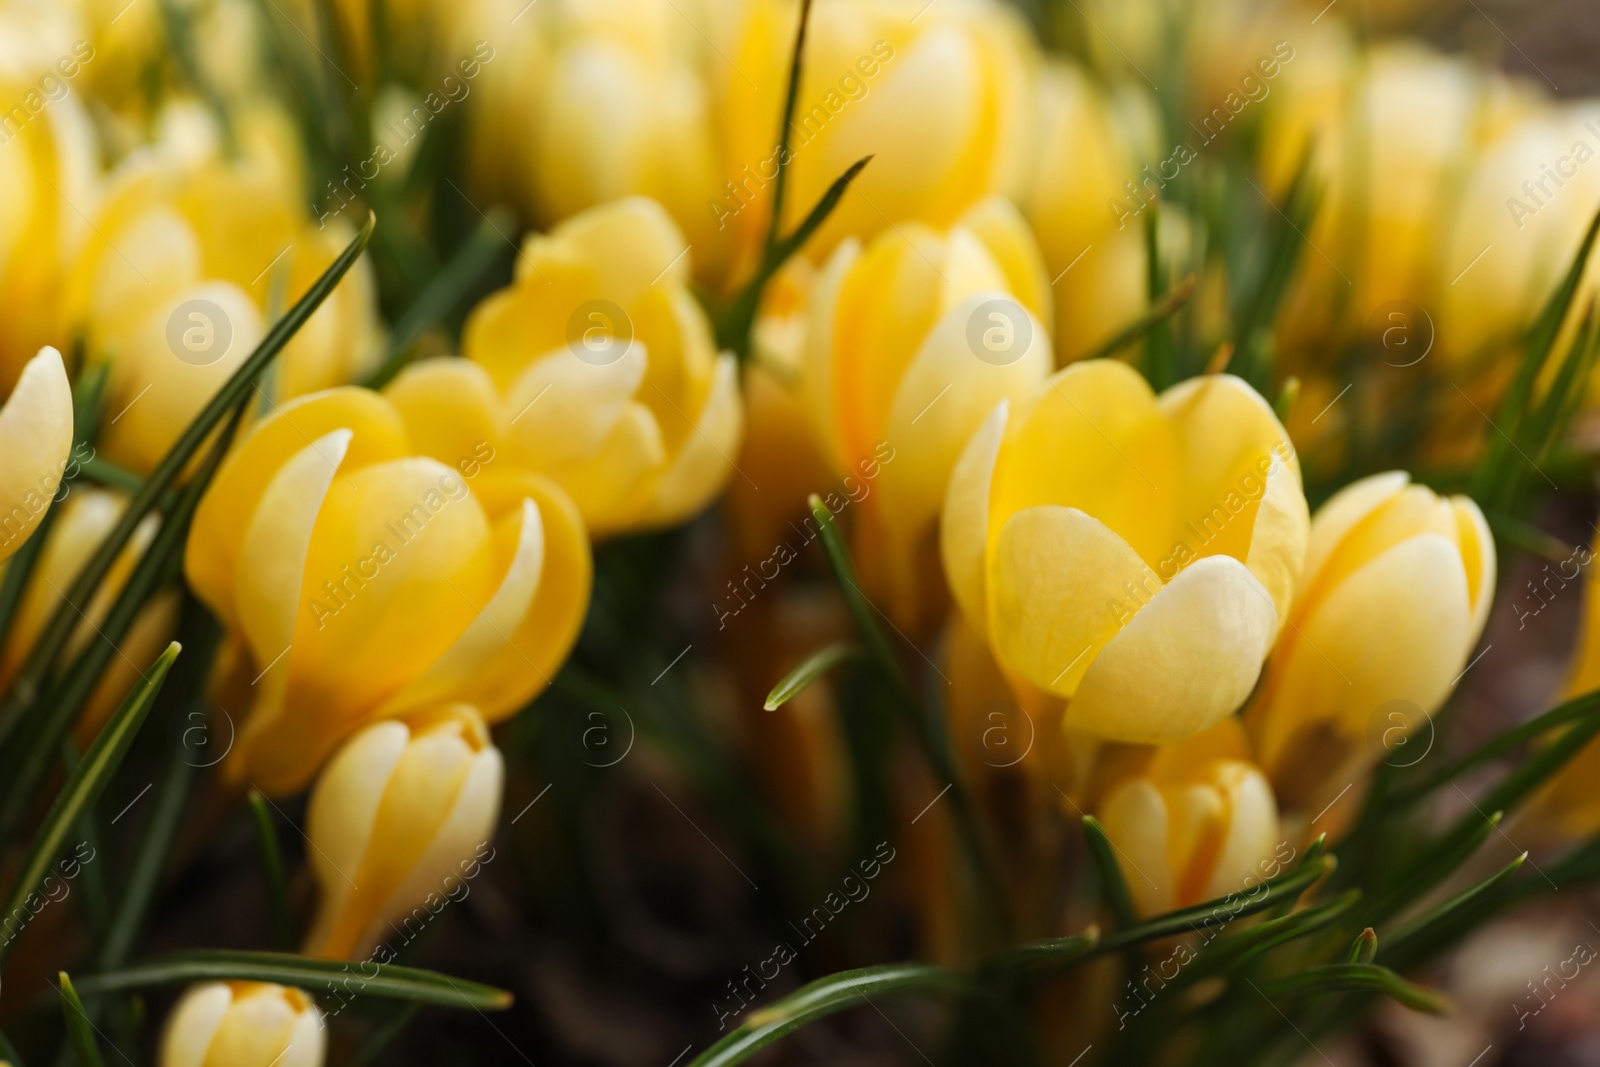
912 340
1396 590
1132 553
642 415
244 1024
36 441
378 555
399 822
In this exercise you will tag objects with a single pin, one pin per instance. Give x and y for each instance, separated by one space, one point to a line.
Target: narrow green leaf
1358 977
1169 305
80 1032
1111 881
82 788
1365 947
1286 398
1233 952
8 1052
780 185
733 326
824 997
861 609
335 978
809 670
53 639
1530 538
1422 929
1160 353
104 472
272 870
1433 864
454 282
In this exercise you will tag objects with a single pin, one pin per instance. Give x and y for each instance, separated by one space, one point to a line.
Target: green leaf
454 282
1398 946
53 638
1433 864
1165 308
809 670
335 978
733 326
83 787
1357 977
272 870
8 1052
791 99
1365 947
1286 398
824 997
80 1031
861 609
1114 886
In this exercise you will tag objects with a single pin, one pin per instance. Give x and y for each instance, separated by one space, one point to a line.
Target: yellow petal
562 408
1252 832
193 1023
1185 661
704 463
633 241
1340 514
1061 585
1278 536
613 486
212 551
450 410
964 523
35 439
1136 821
1000 226
1477 555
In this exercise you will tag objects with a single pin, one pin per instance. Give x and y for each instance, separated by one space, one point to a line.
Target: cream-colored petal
341 813
1184 662
275 546
1397 628
451 675
193 1023
1136 820
705 463
1342 511
256 1029
1252 831
1061 585
943 397
964 523
1001 228
1278 536
308 1041
562 409
35 439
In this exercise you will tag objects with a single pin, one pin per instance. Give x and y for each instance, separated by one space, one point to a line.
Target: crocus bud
36 440
642 415
912 341
244 1024
1396 590
1186 833
1132 553
381 554
402 811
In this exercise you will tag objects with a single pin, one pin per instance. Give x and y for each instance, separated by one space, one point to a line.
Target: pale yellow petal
450 411
1185 661
1278 536
562 409
705 462
1136 821
35 439
1478 556
193 1023
1252 831
964 523
1342 511
1000 226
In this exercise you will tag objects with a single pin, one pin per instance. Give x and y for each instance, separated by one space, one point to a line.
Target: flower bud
1396 590
381 554
36 441
643 415
1187 833
397 819
244 1024
912 340
1132 553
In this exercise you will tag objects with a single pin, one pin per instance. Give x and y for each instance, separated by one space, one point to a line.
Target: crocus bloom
244 1024
1133 553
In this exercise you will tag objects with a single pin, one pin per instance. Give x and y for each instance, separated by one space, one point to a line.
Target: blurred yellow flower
36 440
939 94
1396 590
911 342
1186 832
401 813
1133 553
84 519
643 416
179 284
380 555
243 1024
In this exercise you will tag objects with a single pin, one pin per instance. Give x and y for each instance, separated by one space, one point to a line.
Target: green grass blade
809 670
318 976
1433 864
1357 977
861 610
64 620
824 997
1399 947
84 786
1114 886
272 870
780 184
1169 305
80 1031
